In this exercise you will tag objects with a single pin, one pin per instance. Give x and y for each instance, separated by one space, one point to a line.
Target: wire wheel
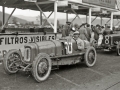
41 67
10 63
90 57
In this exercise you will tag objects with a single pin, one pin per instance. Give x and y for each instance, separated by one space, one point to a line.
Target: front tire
10 61
41 67
90 57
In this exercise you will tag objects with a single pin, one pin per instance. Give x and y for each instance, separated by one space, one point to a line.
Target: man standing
66 29
83 32
89 31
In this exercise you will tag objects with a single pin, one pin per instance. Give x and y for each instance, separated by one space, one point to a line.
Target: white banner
30 0
8 42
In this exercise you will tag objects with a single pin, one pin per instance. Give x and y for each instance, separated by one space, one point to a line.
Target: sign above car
103 3
31 0
62 3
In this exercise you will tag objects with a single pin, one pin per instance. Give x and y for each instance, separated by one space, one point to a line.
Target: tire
90 57
10 60
118 49
94 43
41 67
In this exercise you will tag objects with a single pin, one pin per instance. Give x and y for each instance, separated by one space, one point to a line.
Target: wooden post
3 13
90 16
111 24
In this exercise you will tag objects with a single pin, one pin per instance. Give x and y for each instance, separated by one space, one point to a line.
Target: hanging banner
103 3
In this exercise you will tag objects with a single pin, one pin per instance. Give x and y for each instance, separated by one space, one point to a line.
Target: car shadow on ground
106 52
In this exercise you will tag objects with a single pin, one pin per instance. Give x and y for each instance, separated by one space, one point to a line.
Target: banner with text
8 42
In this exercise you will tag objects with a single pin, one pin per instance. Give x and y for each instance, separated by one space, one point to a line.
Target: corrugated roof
21 4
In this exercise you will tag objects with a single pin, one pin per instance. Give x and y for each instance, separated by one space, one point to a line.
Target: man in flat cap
66 29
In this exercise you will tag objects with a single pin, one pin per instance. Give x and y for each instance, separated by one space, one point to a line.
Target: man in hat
89 31
80 43
66 29
83 32
72 31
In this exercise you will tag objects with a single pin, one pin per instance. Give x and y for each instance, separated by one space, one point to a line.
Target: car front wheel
41 67
11 60
90 57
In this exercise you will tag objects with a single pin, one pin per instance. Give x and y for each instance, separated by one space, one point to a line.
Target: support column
41 18
111 23
101 20
55 17
3 11
86 19
66 17
8 18
90 16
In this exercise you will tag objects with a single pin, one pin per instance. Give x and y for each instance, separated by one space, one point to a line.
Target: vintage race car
110 42
41 57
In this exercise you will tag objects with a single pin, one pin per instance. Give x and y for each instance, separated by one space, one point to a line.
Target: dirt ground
105 75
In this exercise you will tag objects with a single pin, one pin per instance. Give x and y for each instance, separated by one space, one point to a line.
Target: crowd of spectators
86 32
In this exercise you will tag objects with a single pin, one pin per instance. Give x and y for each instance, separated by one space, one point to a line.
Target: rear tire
90 57
41 67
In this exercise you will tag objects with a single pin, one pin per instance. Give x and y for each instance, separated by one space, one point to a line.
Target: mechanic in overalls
82 44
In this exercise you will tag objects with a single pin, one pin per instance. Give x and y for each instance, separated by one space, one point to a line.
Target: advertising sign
62 3
104 3
8 42
30 0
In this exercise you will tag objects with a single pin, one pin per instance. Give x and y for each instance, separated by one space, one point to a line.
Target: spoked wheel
118 49
41 67
90 57
10 61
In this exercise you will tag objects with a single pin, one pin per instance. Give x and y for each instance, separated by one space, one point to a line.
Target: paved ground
105 75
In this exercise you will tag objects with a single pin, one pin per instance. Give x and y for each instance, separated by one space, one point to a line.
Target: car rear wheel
10 61
90 57
41 67
118 49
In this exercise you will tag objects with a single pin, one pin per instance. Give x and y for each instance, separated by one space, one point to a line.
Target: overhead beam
8 18
44 15
46 2
94 19
47 18
77 15
74 18
108 21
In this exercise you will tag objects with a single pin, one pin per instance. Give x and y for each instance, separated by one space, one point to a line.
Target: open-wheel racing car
108 42
40 58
